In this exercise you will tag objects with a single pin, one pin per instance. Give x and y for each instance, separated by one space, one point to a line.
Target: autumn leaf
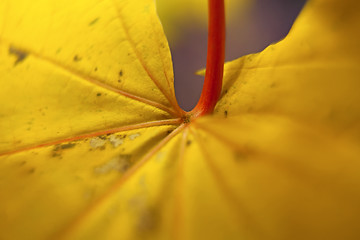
94 146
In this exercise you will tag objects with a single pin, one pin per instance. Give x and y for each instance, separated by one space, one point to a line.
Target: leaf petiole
215 60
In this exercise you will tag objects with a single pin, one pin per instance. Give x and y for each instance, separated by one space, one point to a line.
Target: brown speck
20 54
31 171
119 81
148 220
56 154
95 69
67 145
121 73
93 21
226 113
273 85
188 143
242 155
98 94
186 118
57 150
76 58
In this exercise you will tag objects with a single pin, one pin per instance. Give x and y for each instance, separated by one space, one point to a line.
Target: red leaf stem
215 60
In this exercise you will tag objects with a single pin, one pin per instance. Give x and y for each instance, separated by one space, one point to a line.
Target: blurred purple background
265 22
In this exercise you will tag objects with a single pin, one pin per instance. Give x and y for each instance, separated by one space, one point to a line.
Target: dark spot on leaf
225 91
102 147
121 73
148 220
169 131
67 145
22 163
58 50
103 137
273 85
93 21
31 171
126 162
20 54
188 143
186 119
77 58
119 81
95 69
226 113
56 154
98 94
58 148
243 154
240 156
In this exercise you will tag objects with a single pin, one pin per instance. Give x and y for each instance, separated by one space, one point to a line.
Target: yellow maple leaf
94 146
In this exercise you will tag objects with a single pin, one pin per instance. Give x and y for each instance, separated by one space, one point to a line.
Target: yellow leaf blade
100 55
77 172
281 177
311 75
67 81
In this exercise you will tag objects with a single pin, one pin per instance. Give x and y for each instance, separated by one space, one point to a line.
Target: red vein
99 133
99 82
178 216
66 232
138 55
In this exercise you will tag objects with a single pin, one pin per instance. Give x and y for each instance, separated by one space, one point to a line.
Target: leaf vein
70 228
98 133
141 60
97 81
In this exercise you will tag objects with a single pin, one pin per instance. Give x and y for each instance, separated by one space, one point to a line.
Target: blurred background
251 26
